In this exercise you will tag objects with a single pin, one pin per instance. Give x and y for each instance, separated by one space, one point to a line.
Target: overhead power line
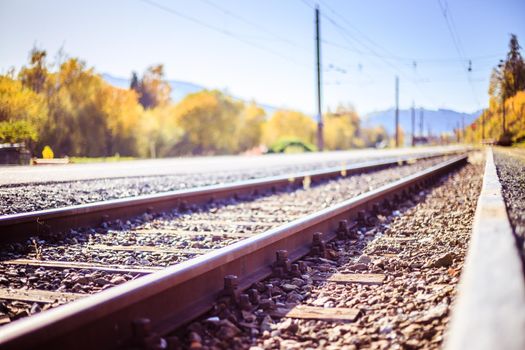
349 37
253 24
447 15
220 30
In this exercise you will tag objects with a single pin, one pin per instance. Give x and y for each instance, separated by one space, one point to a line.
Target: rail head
489 312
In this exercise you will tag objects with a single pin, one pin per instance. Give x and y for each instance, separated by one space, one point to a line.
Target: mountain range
436 121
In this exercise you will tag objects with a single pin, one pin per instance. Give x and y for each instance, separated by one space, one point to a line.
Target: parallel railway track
186 289
52 221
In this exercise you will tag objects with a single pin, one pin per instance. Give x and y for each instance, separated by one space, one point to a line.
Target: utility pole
397 111
320 141
413 124
421 122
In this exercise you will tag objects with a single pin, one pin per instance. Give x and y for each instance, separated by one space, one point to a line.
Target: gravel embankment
32 197
511 172
419 247
79 246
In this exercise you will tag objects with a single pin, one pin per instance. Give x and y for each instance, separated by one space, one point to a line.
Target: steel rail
50 221
490 310
178 294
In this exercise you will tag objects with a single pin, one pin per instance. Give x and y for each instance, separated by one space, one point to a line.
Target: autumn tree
512 70
374 136
152 89
507 95
342 129
122 113
209 120
34 76
23 112
249 129
286 124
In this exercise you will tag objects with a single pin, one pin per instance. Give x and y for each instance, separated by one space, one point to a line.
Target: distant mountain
179 90
437 122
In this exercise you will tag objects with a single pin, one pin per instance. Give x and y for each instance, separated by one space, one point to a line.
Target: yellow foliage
249 130
340 129
210 120
47 153
22 106
490 122
285 124
158 132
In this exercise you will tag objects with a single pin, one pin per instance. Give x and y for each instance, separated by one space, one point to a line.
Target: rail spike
318 245
282 265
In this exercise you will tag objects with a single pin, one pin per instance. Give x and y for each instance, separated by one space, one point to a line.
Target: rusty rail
178 294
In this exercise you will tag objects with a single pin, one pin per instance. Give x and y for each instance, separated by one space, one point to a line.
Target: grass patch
78 160
519 144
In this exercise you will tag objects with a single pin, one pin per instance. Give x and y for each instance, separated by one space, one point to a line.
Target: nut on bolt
282 264
361 217
318 245
244 302
230 288
254 295
141 327
342 229
144 337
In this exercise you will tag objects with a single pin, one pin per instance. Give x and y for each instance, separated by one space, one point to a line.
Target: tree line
504 119
67 106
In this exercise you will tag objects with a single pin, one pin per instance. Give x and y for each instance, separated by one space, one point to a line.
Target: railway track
248 228
91 260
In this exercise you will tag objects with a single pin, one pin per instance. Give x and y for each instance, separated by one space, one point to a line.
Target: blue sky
264 50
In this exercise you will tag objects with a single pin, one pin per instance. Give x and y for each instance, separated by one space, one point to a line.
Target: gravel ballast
420 248
511 172
31 197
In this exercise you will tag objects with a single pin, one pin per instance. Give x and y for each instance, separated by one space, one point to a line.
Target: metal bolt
183 206
230 282
342 229
141 327
318 245
396 199
295 271
361 217
303 267
282 255
254 295
269 288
